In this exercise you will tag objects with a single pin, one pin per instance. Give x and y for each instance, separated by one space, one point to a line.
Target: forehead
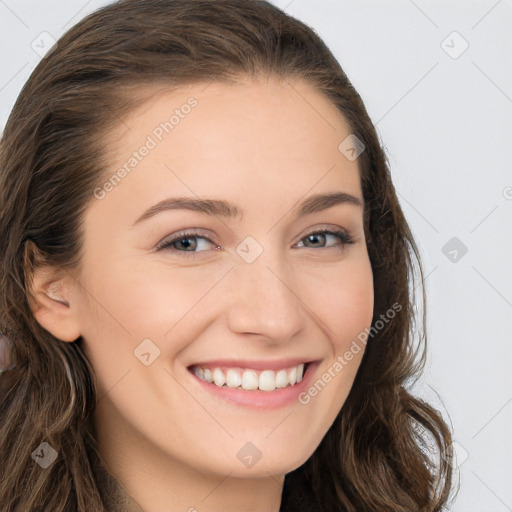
213 113
261 137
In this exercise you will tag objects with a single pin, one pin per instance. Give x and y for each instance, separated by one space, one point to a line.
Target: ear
51 301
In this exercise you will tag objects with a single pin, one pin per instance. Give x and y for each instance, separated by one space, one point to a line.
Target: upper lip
254 364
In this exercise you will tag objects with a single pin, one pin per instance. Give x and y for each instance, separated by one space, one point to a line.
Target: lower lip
260 399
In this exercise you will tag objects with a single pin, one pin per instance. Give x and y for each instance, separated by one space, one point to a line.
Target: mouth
260 384
250 379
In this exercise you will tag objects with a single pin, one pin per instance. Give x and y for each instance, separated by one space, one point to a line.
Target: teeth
199 372
300 372
249 380
218 377
267 380
233 378
281 379
292 376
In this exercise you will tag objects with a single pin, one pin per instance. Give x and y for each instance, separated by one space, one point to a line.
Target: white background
445 122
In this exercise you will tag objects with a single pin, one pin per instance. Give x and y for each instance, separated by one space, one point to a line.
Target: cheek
145 299
344 300
346 310
345 305
128 303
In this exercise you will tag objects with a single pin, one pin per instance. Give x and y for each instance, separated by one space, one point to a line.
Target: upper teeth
266 380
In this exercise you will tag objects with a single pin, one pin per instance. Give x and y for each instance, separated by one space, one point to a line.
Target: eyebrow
221 208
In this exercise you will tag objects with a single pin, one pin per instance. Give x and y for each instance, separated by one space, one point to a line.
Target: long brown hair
52 157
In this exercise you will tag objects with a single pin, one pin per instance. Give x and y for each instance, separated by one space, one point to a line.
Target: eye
321 237
186 243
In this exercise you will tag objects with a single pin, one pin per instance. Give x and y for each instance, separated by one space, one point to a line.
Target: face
265 278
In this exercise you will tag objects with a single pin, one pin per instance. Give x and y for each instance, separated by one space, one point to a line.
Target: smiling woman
211 306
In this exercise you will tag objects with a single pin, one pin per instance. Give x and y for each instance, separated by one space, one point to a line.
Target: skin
265 145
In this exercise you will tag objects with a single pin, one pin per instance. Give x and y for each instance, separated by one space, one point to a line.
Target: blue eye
187 243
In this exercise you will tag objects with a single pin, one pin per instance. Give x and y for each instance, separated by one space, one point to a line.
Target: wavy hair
375 456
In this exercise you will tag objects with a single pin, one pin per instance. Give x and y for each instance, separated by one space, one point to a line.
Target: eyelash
342 235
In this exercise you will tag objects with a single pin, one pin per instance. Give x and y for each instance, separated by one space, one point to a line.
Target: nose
264 300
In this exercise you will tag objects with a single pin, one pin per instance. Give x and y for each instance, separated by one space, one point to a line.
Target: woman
206 277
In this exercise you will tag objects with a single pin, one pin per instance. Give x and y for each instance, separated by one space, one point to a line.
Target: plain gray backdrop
436 78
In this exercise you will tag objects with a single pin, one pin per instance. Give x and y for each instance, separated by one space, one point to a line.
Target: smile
250 379
254 384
